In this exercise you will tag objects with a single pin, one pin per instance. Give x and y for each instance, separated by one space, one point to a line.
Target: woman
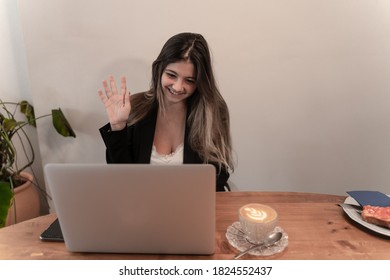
181 119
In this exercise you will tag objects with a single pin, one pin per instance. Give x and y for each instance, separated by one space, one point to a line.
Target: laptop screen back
135 208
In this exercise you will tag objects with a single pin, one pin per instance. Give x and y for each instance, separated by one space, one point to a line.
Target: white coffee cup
257 221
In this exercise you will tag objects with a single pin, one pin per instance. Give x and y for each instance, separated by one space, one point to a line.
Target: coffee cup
257 221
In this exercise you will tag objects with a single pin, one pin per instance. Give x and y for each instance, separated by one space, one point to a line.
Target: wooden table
316 226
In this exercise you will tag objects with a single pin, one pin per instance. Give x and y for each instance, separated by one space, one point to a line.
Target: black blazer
134 145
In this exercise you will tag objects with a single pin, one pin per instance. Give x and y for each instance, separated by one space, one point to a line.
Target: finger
112 84
123 85
107 89
102 96
123 89
126 98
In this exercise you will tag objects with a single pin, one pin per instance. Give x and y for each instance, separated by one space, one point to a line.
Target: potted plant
11 176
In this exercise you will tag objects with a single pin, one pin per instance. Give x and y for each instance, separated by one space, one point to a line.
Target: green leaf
61 124
11 124
28 110
6 196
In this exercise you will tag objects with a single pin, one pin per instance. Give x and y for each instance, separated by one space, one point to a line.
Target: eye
170 74
190 81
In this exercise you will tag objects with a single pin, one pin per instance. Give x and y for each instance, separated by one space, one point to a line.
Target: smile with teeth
172 91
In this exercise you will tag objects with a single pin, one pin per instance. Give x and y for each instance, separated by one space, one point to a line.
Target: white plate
357 217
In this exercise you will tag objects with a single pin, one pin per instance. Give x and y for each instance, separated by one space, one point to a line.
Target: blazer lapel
145 134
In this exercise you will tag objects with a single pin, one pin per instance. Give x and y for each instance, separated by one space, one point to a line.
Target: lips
173 92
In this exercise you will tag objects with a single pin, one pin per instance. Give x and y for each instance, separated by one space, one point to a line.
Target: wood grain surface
317 229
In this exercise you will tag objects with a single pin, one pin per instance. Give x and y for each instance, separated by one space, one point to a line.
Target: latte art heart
255 214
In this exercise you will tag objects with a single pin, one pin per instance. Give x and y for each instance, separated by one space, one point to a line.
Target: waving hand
117 104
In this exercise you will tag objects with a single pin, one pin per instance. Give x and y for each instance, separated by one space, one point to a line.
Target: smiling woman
183 107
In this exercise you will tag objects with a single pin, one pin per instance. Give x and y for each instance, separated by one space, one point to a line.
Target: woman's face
178 81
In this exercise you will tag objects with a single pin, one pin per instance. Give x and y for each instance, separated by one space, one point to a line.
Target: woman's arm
118 145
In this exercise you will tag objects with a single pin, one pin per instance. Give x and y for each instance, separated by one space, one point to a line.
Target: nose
178 85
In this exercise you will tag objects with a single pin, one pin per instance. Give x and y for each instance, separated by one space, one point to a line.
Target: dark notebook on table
53 232
373 198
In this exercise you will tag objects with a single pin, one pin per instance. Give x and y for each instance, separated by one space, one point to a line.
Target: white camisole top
172 159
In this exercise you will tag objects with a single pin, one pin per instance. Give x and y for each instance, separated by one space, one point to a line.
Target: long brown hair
208 118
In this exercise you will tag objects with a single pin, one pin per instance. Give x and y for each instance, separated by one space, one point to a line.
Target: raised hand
117 104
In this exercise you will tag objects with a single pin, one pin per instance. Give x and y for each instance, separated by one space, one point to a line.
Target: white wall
307 82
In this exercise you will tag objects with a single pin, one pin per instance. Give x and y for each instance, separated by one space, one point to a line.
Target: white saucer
237 239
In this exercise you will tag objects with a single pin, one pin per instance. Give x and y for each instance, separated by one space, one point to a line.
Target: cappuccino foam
258 213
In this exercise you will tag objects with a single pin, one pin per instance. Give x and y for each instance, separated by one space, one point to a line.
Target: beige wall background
307 81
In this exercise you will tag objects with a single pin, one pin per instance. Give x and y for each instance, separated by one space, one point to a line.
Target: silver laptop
131 208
